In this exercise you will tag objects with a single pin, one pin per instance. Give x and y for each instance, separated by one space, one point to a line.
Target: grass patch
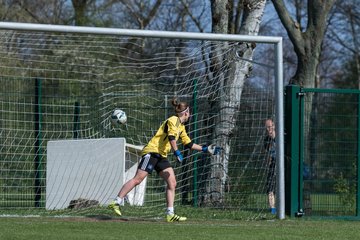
120 228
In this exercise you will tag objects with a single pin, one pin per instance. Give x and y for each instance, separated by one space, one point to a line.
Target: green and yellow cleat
115 207
175 218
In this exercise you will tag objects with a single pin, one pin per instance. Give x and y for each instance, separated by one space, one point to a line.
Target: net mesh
61 86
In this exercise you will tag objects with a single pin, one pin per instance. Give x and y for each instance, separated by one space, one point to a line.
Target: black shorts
151 161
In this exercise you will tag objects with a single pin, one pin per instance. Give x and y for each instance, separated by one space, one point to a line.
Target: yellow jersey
160 142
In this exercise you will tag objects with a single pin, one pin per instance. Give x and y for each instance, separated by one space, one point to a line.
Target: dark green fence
322 152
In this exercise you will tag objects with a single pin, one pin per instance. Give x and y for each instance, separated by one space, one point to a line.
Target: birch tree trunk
230 84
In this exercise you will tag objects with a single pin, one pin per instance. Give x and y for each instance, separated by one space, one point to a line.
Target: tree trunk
80 10
230 85
307 45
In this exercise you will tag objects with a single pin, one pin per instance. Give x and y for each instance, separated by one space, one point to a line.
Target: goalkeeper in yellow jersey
154 156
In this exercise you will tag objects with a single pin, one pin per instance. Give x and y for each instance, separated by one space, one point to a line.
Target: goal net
59 88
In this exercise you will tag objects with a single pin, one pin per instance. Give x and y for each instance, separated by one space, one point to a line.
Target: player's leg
145 167
271 182
169 176
271 198
129 185
126 188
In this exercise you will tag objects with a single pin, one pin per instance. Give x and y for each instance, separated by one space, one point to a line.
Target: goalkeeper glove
205 149
178 155
213 149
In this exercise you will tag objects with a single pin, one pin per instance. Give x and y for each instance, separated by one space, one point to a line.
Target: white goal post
278 71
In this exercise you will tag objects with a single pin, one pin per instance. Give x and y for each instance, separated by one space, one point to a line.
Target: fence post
38 140
292 151
195 168
358 160
76 120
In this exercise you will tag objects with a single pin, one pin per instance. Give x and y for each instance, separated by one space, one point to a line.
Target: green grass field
112 228
203 223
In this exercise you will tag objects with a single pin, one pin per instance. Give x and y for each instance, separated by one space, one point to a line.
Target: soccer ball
118 117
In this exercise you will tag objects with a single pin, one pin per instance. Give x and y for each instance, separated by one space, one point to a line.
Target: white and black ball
118 117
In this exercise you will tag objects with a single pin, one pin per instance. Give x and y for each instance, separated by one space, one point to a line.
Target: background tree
307 42
226 19
342 43
80 11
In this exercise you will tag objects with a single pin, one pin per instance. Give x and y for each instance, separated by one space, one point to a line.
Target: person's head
270 127
181 109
